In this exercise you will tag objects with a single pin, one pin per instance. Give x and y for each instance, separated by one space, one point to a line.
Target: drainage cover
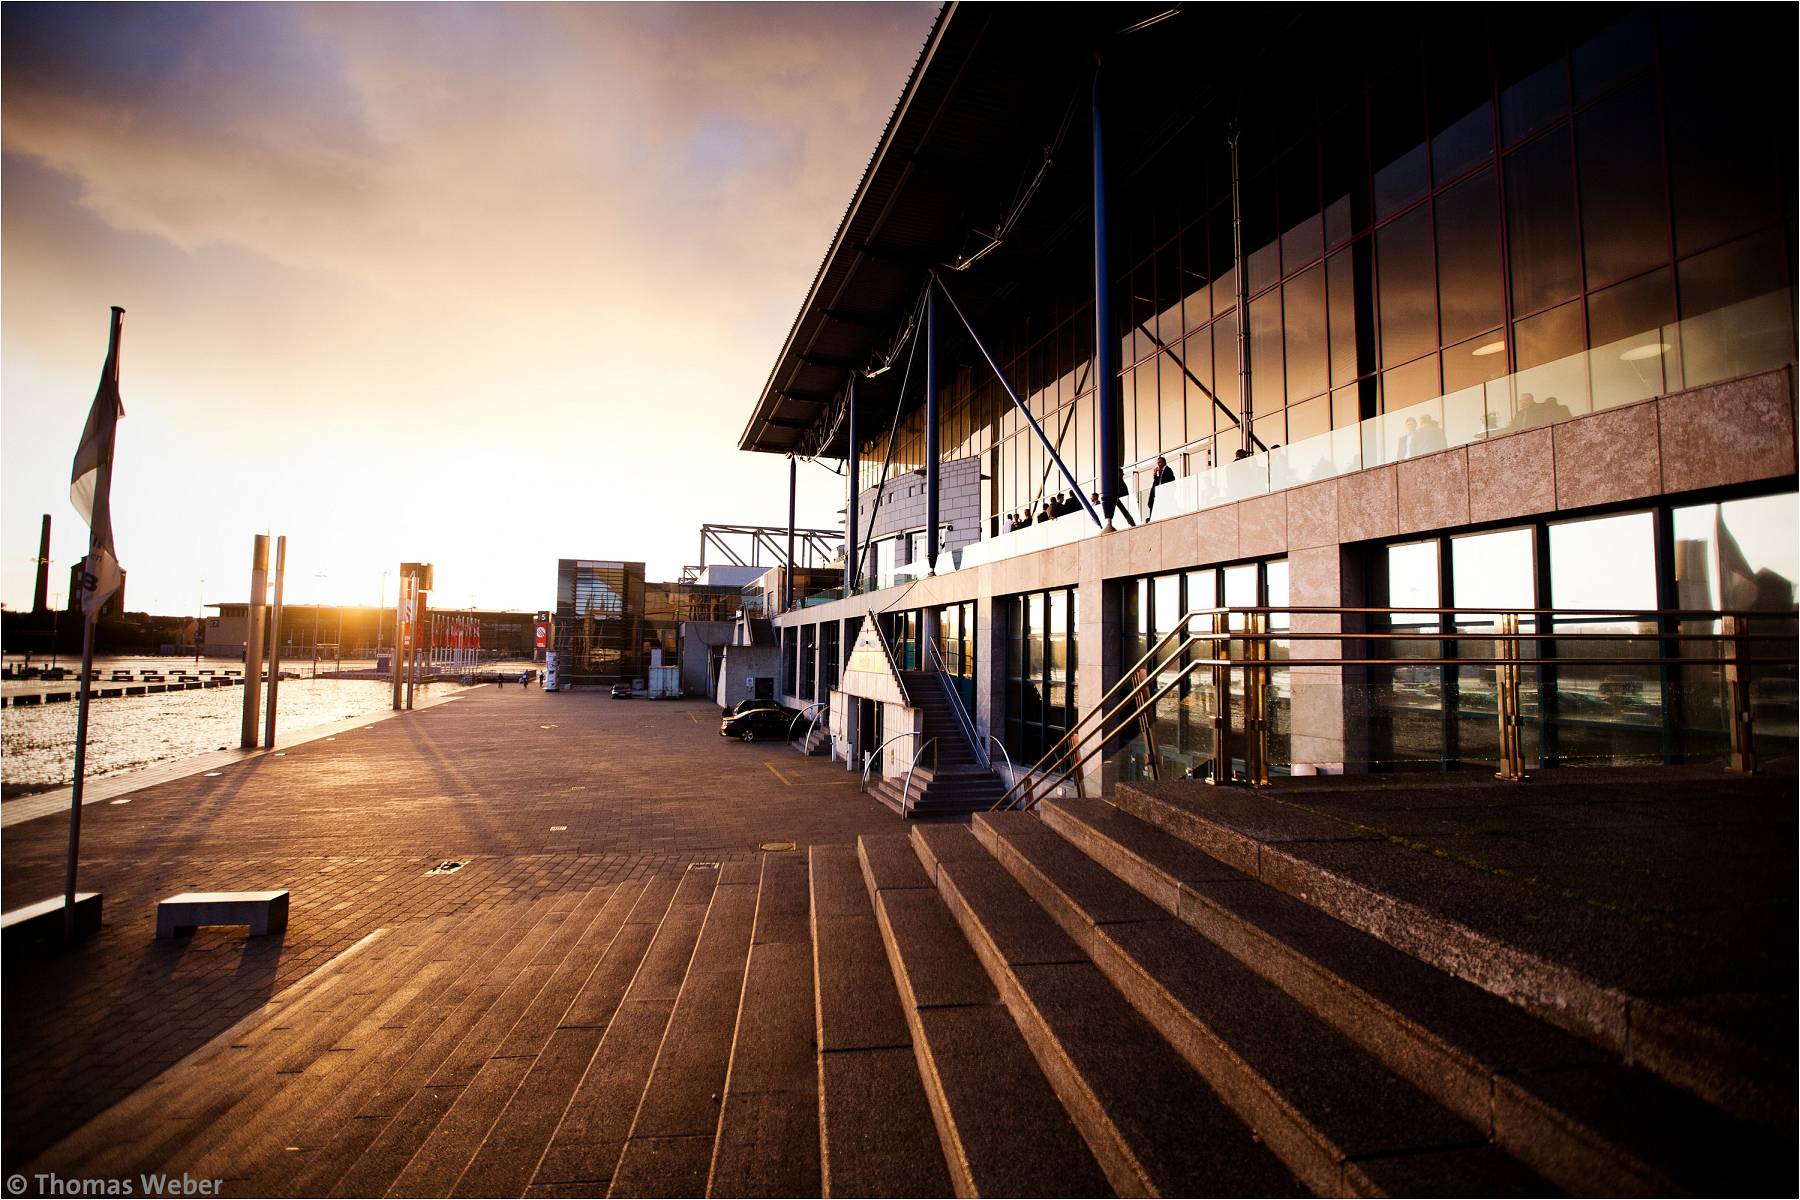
703 866
447 867
776 846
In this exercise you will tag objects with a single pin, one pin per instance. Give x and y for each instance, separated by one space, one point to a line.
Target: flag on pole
90 484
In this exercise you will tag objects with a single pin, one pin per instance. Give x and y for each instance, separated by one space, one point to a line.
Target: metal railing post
1256 701
1221 718
1737 698
1506 701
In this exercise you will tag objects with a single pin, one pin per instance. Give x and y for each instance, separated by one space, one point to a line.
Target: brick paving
538 794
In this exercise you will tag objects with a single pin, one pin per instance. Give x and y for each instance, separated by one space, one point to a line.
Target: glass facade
600 629
1176 737
1430 213
1625 568
956 642
1040 670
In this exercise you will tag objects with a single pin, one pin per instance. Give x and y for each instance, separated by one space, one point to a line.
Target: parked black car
754 719
621 691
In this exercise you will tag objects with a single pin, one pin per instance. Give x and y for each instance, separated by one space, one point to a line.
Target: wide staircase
1078 1003
950 778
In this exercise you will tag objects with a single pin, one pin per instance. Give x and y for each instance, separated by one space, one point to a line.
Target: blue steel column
931 431
1109 395
787 599
853 466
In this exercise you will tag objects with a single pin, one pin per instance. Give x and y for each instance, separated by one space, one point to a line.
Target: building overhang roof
991 86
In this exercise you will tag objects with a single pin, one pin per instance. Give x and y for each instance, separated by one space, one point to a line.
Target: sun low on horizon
485 286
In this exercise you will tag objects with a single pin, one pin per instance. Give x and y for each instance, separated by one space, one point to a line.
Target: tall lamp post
199 621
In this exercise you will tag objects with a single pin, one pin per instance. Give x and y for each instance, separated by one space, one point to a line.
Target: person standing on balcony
1159 475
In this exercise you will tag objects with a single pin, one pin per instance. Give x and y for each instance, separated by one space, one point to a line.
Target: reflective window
1305 328
1605 562
1468 262
1408 291
1540 224
1624 218
1493 570
1041 664
1533 102
1397 124
1613 55
1742 554
1268 386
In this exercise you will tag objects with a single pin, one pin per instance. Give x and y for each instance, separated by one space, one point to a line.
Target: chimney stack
40 601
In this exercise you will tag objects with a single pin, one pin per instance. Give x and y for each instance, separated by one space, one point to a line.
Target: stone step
1154 1126
1555 1102
584 1150
1000 1125
509 1150
1704 1013
875 1127
669 1149
367 1154
1332 1112
767 1138
434 1110
274 1050
322 1122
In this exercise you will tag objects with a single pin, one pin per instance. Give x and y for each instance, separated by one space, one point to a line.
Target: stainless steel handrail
874 622
1507 634
801 716
869 759
1010 769
905 792
963 720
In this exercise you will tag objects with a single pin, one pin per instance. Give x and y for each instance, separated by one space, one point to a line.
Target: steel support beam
853 467
994 366
1109 390
931 433
1242 299
788 575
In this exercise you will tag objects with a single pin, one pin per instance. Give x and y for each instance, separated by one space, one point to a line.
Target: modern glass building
1139 312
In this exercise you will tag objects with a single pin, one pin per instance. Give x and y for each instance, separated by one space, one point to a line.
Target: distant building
611 625
360 630
115 604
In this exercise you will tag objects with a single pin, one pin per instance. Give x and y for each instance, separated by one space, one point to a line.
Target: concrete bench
263 912
45 919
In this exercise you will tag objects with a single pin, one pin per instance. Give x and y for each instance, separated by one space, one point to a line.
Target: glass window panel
1724 168
1307 372
1477 361
1468 262
1743 554
1225 364
1408 292
1196 352
1350 292
1630 327
1268 386
1398 129
1309 418
1467 141
1346 177
1624 218
1737 312
1147 407
1603 563
1172 400
1196 279
1346 408
1613 55
1412 576
1262 249
1540 224
1414 383
1551 383
1240 586
1534 101
1493 570
1301 220
1271 428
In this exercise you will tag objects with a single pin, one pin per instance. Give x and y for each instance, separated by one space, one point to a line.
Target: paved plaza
537 794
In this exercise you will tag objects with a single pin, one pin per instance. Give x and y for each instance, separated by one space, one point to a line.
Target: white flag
90 485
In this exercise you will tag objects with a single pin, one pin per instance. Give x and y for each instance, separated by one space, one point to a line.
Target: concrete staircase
949 780
1075 1004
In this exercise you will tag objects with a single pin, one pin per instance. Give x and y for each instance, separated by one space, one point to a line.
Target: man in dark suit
1160 475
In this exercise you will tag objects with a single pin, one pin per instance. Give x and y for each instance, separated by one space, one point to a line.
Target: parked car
621 691
762 719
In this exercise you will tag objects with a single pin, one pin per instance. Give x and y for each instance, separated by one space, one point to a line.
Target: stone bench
44 920
263 912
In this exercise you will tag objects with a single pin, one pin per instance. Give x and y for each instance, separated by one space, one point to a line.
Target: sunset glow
482 286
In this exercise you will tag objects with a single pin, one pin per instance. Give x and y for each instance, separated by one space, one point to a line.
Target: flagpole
81 724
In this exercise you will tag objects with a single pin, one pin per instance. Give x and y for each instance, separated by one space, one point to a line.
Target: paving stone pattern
351 826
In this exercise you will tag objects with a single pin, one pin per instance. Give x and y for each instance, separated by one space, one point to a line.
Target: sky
484 286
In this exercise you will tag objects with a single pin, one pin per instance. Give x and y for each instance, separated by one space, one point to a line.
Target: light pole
316 575
199 622
381 615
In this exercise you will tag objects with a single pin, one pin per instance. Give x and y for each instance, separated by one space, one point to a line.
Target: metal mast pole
275 642
931 431
1109 392
852 467
1243 293
787 590
253 629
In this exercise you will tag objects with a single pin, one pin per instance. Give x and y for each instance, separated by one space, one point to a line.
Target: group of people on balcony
1064 503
